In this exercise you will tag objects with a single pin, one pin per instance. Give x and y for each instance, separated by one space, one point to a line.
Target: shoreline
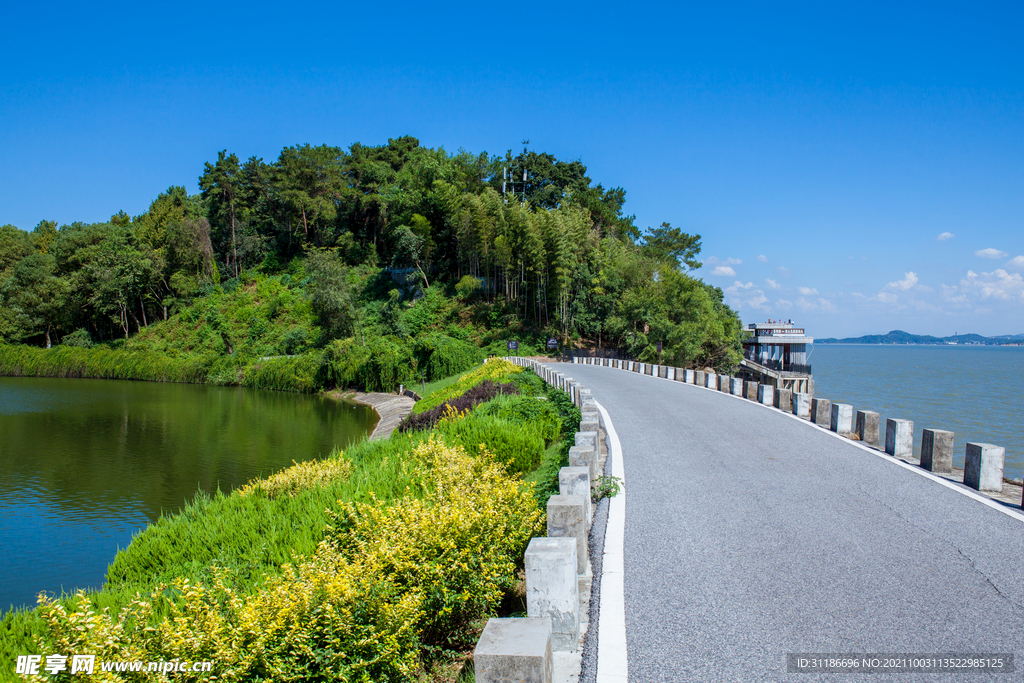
390 408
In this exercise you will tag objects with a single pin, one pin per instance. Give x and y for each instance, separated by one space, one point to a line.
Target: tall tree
220 187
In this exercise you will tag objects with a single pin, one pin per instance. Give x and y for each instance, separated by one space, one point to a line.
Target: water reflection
86 463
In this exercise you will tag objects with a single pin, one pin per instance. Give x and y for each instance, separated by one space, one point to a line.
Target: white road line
611 626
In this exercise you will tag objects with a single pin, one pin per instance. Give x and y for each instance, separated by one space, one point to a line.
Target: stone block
750 389
937 450
567 518
801 404
698 377
514 650
983 467
588 425
842 418
685 376
784 400
710 380
736 386
584 456
766 394
867 427
552 590
575 481
723 383
899 438
821 412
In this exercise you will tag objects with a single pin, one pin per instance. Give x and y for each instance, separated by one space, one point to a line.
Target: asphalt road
750 535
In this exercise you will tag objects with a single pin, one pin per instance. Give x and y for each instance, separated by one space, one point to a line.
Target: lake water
973 391
85 464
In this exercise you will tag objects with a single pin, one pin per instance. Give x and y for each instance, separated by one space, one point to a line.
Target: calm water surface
85 464
974 391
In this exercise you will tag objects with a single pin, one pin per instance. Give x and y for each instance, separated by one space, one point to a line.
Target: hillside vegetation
369 267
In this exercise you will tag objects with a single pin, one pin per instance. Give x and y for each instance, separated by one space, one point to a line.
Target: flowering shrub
495 369
387 578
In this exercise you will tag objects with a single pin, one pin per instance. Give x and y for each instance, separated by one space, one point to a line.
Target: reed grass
99 363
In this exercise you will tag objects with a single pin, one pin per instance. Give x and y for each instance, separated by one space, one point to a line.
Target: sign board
552 343
513 345
659 346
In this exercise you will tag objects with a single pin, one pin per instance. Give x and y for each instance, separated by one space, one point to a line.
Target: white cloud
785 270
886 297
784 303
995 285
908 281
746 295
715 261
725 271
807 291
945 236
772 284
990 253
1016 262
762 258
816 305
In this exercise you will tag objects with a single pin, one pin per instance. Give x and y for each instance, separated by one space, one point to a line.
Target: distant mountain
901 337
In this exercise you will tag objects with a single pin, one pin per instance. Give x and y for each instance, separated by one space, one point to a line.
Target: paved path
750 535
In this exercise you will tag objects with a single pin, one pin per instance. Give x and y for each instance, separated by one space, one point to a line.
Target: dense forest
372 251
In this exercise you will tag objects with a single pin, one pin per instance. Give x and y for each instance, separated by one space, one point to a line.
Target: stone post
750 389
736 386
899 438
784 399
687 376
710 380
766 394
983 467
868 427
842 418
514 650
821 412
802 406
937 450
698 377
552 590
584 456
575 481
567 517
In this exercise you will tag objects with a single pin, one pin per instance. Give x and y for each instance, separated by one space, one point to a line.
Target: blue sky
857 169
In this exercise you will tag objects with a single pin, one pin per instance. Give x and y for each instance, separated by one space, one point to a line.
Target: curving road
750 535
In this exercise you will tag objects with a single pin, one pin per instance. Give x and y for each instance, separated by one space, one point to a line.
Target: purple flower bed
481 393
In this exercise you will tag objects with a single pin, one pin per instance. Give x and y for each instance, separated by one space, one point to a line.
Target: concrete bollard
588 425
723 383
937 450
802 405
552 590
784 400
567 518
750 389
514 650
710 381
688 376
842 418
699 377
736 386
821 412
575 481
868 427
584 456
899 438
766 394
983 467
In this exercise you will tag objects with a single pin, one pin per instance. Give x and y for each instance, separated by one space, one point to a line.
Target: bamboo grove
527 237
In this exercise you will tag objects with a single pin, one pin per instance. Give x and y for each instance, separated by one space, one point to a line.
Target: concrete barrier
552 590
689 376
766 394
584 456
784 399
514 650
723 383
842 418
750 389
575 481
710 380
867 427
821 412
899 438
983 467
937 450
736 386
699 377
567 517
801 405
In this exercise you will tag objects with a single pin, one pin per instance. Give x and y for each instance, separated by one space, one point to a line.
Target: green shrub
296 373
439 356
98 363
390 362
517 446
79 338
